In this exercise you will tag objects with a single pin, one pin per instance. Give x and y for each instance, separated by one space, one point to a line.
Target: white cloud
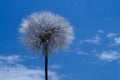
95 40
10 59
117 40
110 35
82 53
22 72
100 31
109 56
56 66
111 41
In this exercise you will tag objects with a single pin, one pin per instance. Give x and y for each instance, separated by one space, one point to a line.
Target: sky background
93 55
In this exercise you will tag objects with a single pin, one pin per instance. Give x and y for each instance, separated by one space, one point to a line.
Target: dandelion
45 33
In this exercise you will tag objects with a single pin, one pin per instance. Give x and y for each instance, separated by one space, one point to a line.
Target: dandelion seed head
43 28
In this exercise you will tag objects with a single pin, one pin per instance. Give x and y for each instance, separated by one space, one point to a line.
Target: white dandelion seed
44 33
43 28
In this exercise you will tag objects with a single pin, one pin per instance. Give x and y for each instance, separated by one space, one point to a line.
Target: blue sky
93 55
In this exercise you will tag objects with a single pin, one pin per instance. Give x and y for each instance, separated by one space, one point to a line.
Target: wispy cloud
100 31
22 72
117 40
107 48
109 55
111 35
95 40
80 52
55 66
10 59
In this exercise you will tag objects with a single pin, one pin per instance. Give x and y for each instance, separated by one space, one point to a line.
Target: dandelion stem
46 61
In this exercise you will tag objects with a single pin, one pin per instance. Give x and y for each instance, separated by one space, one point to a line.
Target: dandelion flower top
45 28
